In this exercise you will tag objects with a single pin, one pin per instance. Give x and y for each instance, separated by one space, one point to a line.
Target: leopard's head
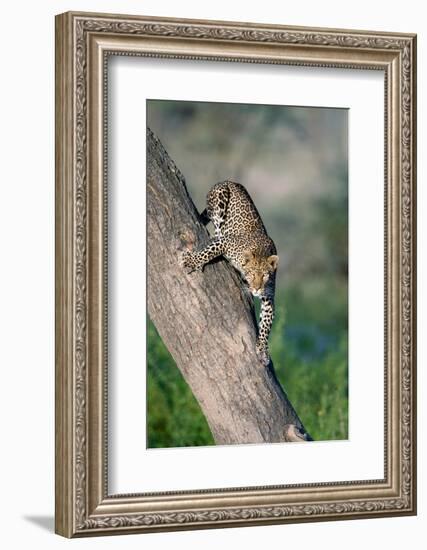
258 270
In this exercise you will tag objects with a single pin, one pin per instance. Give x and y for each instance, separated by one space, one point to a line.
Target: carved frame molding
83 43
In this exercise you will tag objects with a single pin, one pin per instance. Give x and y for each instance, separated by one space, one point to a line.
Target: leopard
241 238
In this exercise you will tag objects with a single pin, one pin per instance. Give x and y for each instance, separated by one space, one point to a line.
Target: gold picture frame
83 43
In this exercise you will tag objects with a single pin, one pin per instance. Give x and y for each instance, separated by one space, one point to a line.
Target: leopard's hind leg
217 204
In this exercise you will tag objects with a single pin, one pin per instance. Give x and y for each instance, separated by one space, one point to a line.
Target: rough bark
207 321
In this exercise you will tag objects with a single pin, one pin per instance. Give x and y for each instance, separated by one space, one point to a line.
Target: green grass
314 378
310 359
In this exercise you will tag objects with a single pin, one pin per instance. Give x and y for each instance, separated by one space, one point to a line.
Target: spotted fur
240 236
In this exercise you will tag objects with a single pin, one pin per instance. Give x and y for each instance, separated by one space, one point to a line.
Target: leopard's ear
247 256
273 261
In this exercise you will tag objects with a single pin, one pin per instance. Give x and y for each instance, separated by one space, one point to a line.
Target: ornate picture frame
84 42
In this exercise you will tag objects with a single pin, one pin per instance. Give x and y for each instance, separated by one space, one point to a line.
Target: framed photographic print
235 274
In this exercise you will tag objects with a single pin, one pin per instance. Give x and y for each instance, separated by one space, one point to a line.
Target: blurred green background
293 161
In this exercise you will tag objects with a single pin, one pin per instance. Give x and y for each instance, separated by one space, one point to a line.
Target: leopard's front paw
263 355
187 261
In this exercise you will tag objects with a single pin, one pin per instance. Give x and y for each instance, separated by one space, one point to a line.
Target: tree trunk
207 320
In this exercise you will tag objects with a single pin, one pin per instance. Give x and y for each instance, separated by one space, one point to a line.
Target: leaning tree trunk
207 321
